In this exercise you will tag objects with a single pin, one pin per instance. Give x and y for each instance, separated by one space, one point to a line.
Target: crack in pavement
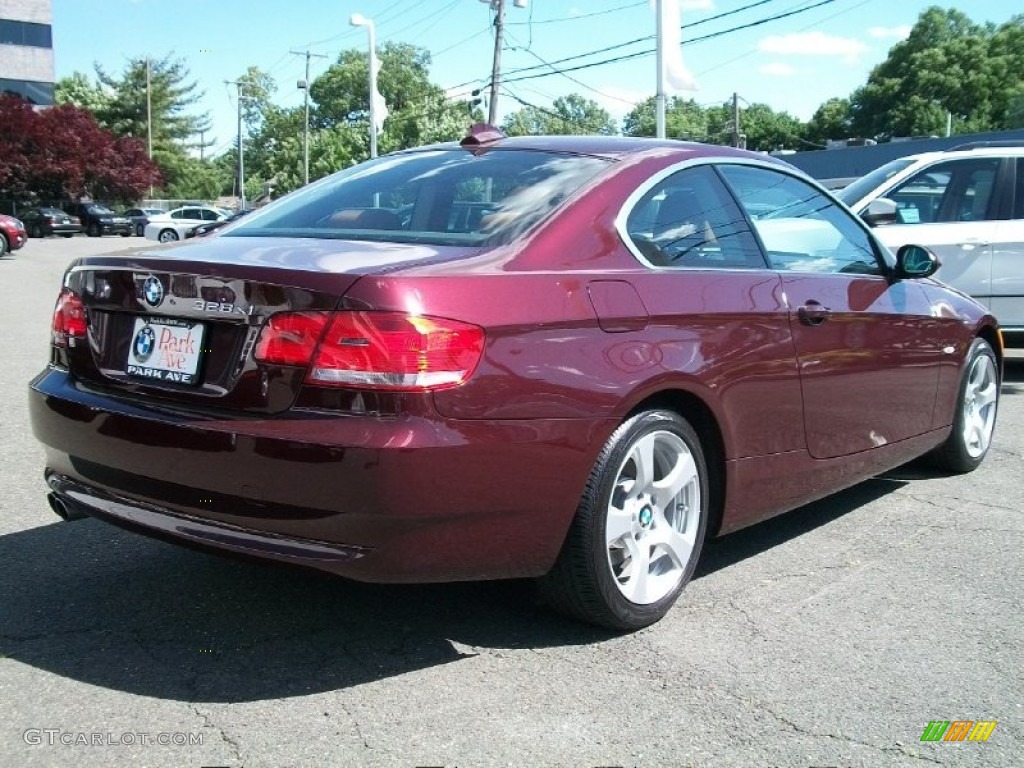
236 751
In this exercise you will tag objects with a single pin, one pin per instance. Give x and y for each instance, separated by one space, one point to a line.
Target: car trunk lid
179 326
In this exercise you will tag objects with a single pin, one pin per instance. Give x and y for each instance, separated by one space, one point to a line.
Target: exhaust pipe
63 509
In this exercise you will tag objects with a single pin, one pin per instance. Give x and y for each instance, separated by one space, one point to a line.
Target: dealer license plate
165 349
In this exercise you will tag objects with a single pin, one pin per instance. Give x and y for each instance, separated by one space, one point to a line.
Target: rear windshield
440 197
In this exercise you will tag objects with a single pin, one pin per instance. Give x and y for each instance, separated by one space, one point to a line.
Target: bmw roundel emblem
153 291
142 346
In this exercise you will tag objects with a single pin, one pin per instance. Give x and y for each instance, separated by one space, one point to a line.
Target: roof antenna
481 133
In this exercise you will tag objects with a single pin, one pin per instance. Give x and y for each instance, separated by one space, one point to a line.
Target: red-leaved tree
60 153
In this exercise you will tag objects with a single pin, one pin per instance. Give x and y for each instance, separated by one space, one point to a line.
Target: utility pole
304 85
241 150
499 25
735 119
149 110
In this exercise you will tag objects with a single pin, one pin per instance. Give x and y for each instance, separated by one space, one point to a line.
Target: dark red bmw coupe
566 358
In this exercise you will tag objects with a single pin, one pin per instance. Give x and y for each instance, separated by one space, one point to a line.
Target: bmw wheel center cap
646 516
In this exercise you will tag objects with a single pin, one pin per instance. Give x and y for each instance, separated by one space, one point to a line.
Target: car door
1008 254
950 207
867 347
714 306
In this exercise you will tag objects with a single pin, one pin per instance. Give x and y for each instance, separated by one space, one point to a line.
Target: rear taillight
52 220
290 338
374 350
68 319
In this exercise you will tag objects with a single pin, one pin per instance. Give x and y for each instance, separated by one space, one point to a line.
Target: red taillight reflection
290 338
393 350
375 350
68 318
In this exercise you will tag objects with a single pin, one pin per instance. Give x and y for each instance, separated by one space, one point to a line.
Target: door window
802 230
956 190
689 220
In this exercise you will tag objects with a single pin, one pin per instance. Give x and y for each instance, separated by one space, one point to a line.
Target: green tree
767 130
419 113
947 64
79 91
569 115
832 120
172 96
684 119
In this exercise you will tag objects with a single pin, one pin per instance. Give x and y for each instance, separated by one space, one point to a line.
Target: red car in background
12 234
569 358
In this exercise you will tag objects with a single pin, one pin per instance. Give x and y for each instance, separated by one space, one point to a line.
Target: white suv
966 205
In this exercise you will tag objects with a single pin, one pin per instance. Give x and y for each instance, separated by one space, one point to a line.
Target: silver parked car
967 206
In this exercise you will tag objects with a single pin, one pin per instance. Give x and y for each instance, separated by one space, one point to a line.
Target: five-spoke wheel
639 527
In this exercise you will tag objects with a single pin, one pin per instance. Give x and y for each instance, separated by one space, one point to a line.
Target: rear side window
443 197
952 191
690 220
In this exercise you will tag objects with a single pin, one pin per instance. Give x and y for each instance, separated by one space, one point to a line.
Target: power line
691 41
646 38
580 16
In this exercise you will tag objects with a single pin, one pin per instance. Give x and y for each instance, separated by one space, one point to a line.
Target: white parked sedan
171 226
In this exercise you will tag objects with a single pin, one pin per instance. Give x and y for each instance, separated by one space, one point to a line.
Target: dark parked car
43 222
99 220
201 230
625 347
139 217
12 234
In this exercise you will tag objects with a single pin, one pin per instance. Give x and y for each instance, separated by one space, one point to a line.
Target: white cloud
898 32
813 44
777 69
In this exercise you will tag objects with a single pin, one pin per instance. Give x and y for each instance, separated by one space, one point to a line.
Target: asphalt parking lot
830 636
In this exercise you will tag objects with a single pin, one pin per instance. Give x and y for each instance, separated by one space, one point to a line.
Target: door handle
970 245
813 313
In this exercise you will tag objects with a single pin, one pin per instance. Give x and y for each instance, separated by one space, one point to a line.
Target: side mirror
915 261
881 211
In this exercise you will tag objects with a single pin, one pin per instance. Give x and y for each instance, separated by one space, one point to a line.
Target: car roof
600 146
952 154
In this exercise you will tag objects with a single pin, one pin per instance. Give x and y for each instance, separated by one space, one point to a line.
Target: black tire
93 230
959 454
3 244
584 583
139 230
168 236
37 231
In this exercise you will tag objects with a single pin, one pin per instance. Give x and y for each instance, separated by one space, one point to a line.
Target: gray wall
852 162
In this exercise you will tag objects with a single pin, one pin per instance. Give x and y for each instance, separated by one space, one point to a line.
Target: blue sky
792 64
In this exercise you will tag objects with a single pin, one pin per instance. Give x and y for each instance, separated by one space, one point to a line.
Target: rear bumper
390 499
125 228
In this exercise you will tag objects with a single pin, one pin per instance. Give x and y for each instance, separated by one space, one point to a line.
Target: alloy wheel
980 398
653 517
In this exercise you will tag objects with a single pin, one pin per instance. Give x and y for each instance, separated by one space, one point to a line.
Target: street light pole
241 149
659 92
358 20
